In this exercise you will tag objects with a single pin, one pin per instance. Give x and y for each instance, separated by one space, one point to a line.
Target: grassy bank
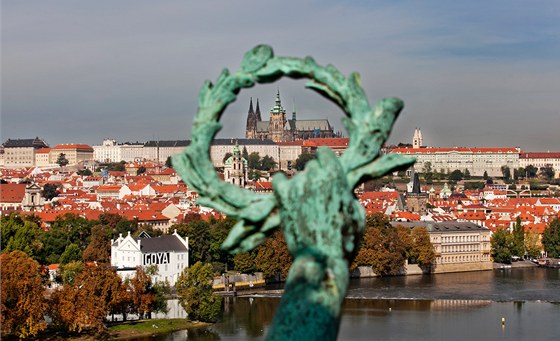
151 327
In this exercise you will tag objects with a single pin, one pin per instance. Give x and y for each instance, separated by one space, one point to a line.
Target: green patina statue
317 211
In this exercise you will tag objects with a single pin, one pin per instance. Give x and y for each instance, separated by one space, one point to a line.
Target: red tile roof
65 146
12 193
404 150
540 155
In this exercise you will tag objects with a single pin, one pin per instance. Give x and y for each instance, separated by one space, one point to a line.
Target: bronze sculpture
320 217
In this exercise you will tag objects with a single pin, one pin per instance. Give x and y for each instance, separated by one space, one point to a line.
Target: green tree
422 250
117 166
427 168
531 171
518 239
49 191
302 160
506 172
267 163
521 172
66 229
72 253
198 232
61 160
244 262
168 162
254 175
194 289
551 239
533 244
245 153
22 235
501 246
456 175
22 295
474 185
467 174
219 230
253 161
485 175
78 229
69 272
547 172
141 170
85 172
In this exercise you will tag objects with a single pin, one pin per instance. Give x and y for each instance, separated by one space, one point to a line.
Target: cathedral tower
277 123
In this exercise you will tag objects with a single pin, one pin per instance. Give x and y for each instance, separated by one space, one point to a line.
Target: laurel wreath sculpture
320 217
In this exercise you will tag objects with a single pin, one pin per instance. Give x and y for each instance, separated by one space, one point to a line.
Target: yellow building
74 153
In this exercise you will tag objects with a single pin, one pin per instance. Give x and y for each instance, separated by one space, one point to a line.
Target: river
458 306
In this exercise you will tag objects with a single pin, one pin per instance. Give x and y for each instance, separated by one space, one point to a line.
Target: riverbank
519 264
133 329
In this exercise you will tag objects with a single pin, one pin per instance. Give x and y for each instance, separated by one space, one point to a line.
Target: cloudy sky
472 73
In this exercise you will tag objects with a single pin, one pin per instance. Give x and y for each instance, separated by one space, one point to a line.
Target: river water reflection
462 306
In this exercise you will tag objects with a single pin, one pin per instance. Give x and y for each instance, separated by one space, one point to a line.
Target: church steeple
293 110
417 140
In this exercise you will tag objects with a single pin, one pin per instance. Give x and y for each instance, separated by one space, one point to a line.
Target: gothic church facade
281 129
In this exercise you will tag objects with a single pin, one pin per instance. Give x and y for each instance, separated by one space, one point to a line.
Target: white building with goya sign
170 253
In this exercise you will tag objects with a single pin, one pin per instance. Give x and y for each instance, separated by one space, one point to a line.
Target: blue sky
471 73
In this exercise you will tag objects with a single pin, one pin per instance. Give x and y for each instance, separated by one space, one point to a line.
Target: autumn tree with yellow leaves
22 295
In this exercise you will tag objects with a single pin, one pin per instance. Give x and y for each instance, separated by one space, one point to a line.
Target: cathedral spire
293 109
251 106
251 127
258 112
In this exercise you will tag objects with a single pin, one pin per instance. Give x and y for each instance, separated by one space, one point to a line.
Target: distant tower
235 168
416 200
252 119
277 123
417 140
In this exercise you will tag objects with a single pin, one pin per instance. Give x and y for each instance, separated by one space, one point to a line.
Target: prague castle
280 129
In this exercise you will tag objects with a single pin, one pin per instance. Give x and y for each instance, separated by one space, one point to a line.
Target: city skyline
471 74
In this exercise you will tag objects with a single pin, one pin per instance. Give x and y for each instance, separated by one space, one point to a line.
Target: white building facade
476 160
170 253
541 159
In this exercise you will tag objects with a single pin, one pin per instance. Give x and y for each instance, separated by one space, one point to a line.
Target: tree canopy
302 160
194 288
61 160
551 239
501 246
22 295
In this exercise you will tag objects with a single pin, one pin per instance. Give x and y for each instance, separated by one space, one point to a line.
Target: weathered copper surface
316 210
